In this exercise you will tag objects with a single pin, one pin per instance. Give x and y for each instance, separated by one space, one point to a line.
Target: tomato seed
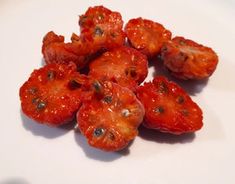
33 90
41 105
125 112
50 75
100 17
162 87
73 84
98 31
131 71
159 110
35 100
185 112
113 35
108 99
97 86
111 136
183 56
180 99
98 132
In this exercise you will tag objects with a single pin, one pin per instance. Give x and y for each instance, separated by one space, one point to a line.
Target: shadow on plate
159 137
44 130
43 63
191 86
14 181
97 154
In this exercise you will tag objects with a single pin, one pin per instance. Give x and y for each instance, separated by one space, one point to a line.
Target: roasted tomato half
187 59
102 27
125 66
52 94
168 108
54 50
146 36
110 116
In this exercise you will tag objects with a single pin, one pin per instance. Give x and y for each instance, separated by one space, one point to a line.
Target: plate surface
34 154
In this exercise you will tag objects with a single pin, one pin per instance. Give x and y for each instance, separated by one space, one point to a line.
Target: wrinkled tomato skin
55 50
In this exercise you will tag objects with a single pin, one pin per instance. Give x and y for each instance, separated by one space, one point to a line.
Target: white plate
34 154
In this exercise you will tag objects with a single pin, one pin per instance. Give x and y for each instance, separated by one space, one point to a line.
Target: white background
34 154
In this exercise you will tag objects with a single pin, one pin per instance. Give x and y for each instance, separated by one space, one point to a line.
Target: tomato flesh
125 66
187 59
109 118
52 94
168 108
146 36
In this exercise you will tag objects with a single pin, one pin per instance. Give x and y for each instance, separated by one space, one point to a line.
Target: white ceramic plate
35 154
